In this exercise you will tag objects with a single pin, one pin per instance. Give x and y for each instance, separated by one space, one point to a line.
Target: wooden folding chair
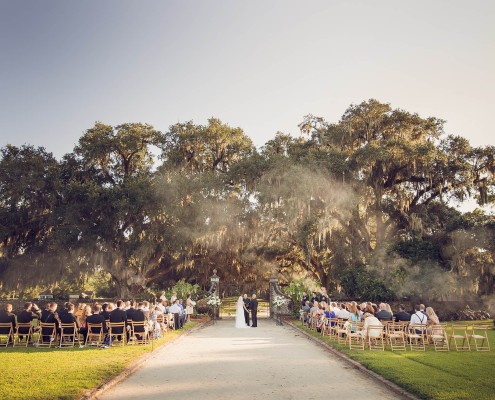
458 334
341 331
416 335
68 335
332 327
95 334
23 329
171 321
479 333
437 335
396 335
355 335
139 333
117 333
375 335
47 334
6 334
163 322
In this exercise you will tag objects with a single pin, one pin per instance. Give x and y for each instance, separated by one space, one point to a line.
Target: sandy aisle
268 362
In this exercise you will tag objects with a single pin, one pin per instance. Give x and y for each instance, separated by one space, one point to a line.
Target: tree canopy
363 205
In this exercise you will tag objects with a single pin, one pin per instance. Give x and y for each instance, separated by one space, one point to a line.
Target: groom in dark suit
247 304
254 311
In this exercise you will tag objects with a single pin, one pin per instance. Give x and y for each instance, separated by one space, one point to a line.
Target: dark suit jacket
402 316
130 312
44 315
138 316
97 319
384 315
6 318
247 303
118 315
25 316
105 314
254 305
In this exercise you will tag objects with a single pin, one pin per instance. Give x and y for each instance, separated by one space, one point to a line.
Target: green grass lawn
430 374
32 373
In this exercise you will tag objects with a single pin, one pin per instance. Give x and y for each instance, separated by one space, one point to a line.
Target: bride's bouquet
214 301
279 301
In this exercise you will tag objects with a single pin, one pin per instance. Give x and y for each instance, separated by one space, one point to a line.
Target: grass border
390 385
94 393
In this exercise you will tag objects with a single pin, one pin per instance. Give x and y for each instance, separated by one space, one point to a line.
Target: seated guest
139 316
402 315
130 311
369 309
161 306
94 319
118 315
306 307
371 320
146 308
79 312
8 317
52 318
104 311
342 312
418 318
26 316
354 313
64 309
45 313
433 320
69 318
383 314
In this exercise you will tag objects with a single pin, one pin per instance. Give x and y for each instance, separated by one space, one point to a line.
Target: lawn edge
392 386
93 394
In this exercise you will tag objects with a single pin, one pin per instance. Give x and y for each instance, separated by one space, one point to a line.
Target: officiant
247 305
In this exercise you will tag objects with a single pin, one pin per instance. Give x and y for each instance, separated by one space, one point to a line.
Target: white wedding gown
240 322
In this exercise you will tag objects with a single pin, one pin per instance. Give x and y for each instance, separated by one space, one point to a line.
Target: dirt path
268 362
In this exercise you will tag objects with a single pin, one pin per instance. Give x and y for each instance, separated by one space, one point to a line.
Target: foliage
183 289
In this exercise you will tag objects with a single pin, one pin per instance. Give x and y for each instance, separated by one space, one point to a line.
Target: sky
258 65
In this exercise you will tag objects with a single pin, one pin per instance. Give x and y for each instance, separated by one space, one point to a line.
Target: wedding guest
8 317
324 296
182 313
30 312
418 318
190 308
45 313
139 316
79 312
371 320
175 310
68 317
307 307
383 314
354 313
342 312
64 309
130 311
52 318
402 315
173 298
314 297
304 299
118 315
432 321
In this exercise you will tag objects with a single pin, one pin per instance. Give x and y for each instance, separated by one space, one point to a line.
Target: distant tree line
363 206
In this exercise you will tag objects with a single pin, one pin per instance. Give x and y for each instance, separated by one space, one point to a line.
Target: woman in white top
239 314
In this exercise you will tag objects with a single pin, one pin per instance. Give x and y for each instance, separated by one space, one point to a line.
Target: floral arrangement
214 301
279 301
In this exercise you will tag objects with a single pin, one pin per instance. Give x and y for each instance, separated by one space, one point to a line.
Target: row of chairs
400 335
68 335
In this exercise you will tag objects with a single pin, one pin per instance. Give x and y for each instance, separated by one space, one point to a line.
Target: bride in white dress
239 314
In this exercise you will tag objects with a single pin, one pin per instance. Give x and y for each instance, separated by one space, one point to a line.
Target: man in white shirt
343 313
418 317
175 310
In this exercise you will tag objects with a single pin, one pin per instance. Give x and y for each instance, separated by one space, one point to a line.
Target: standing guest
182 313
174 309
304 299
383 314
163 297
254 311
324 295
402 315
314 297
8 317
173 298
189 308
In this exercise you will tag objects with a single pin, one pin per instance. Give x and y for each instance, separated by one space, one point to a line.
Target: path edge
93 394
392 386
